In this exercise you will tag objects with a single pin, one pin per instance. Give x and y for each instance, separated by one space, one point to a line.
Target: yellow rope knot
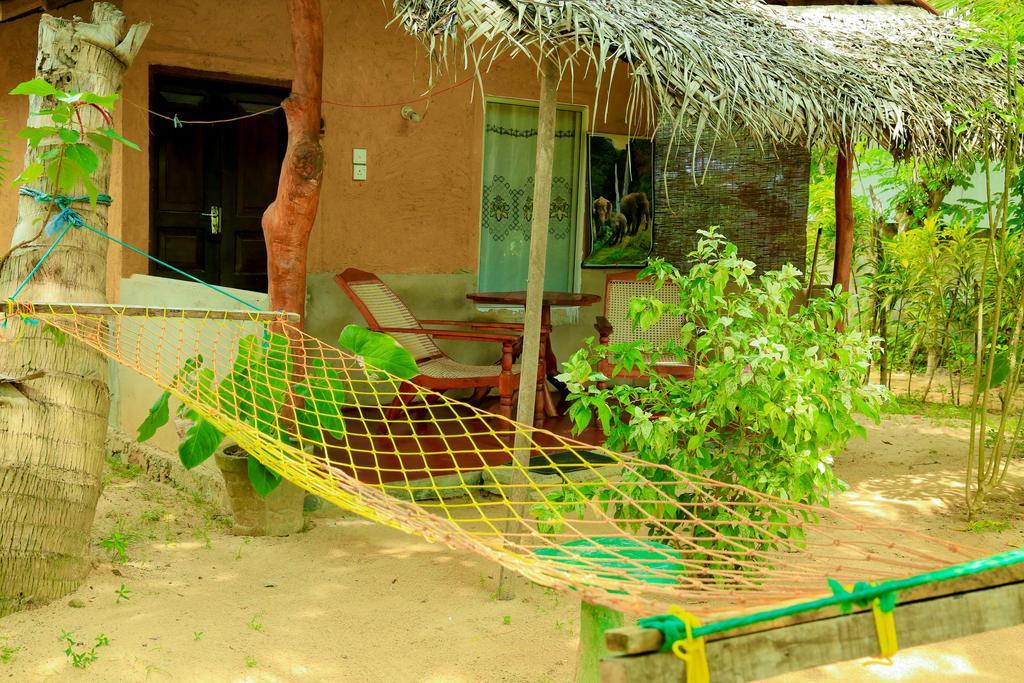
691 650
882 609
885 627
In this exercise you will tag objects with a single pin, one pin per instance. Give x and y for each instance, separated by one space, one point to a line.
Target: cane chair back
620 290
383 308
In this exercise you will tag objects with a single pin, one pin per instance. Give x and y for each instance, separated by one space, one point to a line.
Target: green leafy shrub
69 154
774 397
264 389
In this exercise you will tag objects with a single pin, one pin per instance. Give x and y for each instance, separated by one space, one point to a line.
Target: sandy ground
352 601
945 388
910 472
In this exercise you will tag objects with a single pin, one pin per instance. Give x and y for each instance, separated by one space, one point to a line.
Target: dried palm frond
895 74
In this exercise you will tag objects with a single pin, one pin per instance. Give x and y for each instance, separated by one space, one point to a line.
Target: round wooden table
569 299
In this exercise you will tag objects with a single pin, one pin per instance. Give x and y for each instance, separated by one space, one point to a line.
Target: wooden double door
212 183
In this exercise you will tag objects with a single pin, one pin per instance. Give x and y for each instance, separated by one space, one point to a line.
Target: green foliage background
775 395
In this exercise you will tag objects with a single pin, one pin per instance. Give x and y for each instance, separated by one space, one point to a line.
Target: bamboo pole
530 364
123 311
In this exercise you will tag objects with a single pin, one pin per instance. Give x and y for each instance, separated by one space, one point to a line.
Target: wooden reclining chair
614 327
385 312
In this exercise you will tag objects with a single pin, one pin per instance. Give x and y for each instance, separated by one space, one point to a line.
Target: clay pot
279 514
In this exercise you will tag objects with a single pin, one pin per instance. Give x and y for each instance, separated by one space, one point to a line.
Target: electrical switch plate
359 172
359 156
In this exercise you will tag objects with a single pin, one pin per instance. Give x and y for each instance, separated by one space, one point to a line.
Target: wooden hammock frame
927 614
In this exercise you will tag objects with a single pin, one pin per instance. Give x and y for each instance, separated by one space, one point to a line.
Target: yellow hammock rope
614 529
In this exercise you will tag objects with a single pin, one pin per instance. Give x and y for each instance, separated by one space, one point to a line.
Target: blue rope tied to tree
69 218
67 215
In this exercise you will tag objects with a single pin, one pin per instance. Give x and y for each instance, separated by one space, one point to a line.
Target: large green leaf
105 101
101 141
36 86
68 135
234 396
65 175
36 134
317 413
188 368
379 351
248 353
114 135
30 174
306 418
323 392
1000 369
263 479
158 416
278 367
201 441
83 155
203 391
239 383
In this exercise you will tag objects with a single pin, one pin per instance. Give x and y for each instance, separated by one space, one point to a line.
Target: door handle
214 217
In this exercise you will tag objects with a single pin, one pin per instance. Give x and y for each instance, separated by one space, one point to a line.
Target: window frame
576 267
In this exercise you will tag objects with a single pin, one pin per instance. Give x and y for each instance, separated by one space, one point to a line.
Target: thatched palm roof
897 74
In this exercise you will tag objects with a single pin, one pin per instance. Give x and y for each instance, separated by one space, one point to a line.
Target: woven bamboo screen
757 196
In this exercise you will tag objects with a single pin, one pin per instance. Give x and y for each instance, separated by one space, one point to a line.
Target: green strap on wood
862 593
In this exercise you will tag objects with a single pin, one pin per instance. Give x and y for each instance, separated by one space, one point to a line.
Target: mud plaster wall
415 220
419 210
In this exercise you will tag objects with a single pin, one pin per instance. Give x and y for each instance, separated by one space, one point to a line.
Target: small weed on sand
116 545
7 653
154 514
119 469
123 592
255 623
980 526
201 534
82 658
245 541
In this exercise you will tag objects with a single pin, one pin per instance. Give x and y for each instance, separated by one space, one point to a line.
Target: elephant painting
621 194
636 207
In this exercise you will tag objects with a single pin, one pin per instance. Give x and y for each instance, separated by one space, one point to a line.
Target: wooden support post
844 217
928 614
530 364
288 221
595 620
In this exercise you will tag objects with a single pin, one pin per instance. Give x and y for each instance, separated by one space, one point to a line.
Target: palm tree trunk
53 426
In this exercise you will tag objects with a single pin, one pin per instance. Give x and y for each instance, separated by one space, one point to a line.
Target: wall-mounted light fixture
410 114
